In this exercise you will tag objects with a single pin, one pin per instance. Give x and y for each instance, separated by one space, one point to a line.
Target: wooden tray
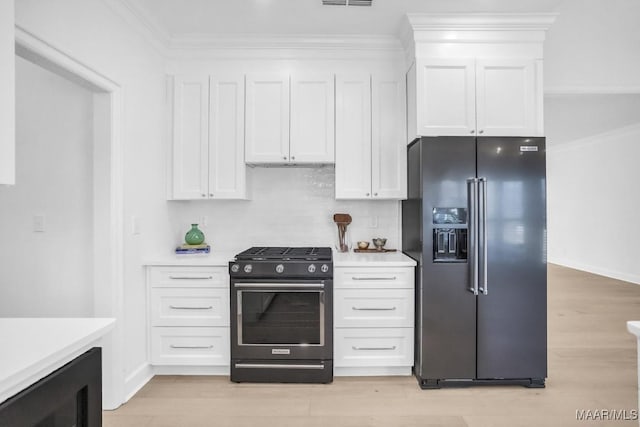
375 250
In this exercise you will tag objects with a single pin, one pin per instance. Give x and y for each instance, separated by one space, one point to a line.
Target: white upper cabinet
312 118
7 93
190 136
208 138
488 97
506 101
227 170
290 120
267 118
353 136
388 151
370 138
446 97
475 74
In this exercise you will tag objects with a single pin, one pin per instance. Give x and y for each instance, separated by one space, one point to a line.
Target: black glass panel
280 317
449 215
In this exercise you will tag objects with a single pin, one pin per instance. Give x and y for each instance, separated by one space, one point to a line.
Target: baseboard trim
134 382
601 271
191 370
374 371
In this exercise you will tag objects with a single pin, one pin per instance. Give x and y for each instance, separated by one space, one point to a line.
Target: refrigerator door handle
472 221
482 198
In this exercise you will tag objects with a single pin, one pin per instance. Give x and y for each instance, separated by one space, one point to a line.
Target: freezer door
446 309
512 314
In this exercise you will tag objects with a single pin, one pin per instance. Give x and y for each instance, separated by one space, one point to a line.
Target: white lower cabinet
373 320
188 316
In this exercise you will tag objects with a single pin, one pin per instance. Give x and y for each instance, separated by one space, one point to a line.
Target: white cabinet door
190 136
267 118
227 170
506 97
446 97
388 148
312 118
353 136
412 127
7 94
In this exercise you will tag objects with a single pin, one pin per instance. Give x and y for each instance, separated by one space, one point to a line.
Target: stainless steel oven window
317 288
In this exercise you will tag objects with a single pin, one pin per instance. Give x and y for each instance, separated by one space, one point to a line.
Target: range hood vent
347 2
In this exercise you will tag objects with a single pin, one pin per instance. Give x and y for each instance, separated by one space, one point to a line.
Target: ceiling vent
347 2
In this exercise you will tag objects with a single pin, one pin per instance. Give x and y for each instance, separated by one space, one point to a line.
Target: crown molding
250 45
475 27
481 21
553 91
141 22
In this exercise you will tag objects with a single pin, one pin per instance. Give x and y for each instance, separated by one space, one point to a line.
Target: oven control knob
279 268
248 268
311 268
235 268
324 268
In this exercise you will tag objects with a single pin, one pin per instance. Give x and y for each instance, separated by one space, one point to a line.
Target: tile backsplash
288 206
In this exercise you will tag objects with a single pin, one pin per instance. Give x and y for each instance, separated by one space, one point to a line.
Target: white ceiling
229 18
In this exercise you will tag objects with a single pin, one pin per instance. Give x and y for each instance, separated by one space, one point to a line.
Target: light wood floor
592 365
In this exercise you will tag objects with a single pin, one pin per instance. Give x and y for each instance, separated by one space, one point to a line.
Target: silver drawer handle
191 346
374 348
276 366
374 308
177 307
190 277
374 278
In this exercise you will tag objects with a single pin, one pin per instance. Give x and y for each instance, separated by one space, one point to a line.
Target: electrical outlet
135 225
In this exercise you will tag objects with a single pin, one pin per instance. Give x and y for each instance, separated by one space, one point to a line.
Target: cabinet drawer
373 347
190 346
373 277
189 307
363 308
189 277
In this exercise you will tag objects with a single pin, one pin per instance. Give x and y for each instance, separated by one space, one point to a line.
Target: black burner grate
258 253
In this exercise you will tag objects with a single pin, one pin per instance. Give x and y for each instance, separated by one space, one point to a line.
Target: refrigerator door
446 309
512 316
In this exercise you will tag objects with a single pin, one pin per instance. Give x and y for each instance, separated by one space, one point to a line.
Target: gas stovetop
277 253
283 262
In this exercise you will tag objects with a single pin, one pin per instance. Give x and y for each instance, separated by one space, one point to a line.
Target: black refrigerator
475 222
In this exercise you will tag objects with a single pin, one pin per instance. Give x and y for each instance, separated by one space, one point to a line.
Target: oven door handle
278 285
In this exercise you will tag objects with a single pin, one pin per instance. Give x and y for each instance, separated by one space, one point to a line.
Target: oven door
284 319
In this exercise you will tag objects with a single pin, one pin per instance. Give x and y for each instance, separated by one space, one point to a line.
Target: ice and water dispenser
450 234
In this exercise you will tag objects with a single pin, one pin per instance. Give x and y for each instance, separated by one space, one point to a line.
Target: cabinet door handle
481 131
473 131
192 346
373 308
373 348
178 307
374 278
190 277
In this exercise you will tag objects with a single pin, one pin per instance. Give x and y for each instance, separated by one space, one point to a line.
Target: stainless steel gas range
282 315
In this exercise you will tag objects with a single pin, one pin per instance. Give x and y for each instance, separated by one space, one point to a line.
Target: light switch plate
39 223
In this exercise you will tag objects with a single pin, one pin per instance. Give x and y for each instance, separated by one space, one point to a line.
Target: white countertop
32 348
213 259
634 327
370 259
340 259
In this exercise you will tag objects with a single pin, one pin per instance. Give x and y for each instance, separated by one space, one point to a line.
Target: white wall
94 33
7 92
592 169
594 45
48 274
592 117
288 207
